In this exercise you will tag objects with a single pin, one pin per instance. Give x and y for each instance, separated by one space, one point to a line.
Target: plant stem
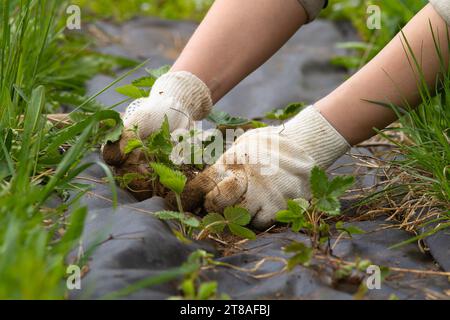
206 229
180 206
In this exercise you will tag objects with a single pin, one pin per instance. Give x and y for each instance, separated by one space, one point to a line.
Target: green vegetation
422 135
125 10
422 171
394 15
311 216
36 167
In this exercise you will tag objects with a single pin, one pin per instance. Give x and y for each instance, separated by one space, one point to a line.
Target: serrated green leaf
326 193
211 218
300 205
223 118
132 91
286 216
319 183
241 231
159 142
172 179
237 215
294 214
329 205
132 144
340 184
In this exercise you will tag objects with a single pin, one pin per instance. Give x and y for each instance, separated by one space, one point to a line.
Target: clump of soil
144 185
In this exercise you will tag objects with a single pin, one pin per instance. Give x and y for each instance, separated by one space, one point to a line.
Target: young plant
234 218
175 181
171 179
157 147
191 287
310 216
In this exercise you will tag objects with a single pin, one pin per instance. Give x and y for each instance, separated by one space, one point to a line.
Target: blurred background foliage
394 15
166 9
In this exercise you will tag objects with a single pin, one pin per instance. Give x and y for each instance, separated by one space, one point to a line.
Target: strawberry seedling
310 216
234 218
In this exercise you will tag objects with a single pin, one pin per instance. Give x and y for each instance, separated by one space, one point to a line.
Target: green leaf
303 254
326 193
319 183
223 118
132 91
114 134
132 144
146 82
283 114
329 205
159 142
295 214
340 184
217 219
299 204
156 73
258 124
241 231
286 216
172 179
237 215
182 217
207 290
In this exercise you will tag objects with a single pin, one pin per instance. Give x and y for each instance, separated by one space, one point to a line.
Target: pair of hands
263 167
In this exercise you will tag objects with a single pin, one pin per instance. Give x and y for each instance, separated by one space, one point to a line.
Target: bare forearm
236 37
388 78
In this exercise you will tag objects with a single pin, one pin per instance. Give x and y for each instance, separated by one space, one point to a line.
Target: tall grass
35 172
418 183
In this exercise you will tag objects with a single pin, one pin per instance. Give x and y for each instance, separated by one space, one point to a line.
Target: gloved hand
181 96
266 166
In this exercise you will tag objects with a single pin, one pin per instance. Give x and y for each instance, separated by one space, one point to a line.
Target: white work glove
181 96
266 166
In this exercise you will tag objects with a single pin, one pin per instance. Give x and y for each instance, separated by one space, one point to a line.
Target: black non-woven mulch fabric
127 244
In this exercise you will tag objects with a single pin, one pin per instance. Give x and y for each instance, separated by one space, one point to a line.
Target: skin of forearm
388 78
235 38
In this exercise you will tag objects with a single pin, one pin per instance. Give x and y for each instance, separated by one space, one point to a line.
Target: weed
309 216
